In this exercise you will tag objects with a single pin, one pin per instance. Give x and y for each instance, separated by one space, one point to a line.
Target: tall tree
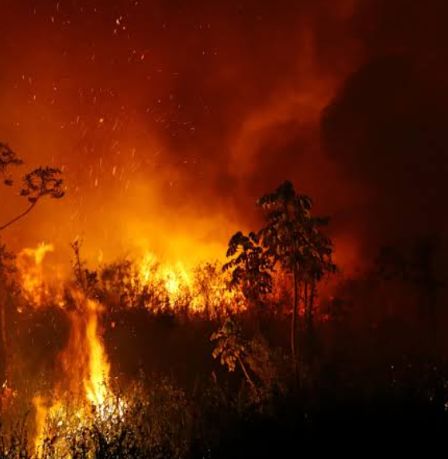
294 239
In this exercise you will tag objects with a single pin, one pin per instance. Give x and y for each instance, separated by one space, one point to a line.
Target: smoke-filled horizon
169 119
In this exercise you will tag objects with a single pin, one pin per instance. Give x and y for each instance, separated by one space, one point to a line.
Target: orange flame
84 361
85 368
85 371
96 380
204 287
30 264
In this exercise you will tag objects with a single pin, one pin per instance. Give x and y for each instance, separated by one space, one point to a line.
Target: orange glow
165 139
174 278
97 378
40 416
85 372
203 288
30 264
84 362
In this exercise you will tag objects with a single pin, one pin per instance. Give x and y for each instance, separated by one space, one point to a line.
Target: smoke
171 118
387 125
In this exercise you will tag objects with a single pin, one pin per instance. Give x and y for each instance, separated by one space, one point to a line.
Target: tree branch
18 217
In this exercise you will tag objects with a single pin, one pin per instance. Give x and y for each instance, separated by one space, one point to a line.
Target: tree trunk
306 303
294 323
246 374
309 332
3 341
312 298
304 332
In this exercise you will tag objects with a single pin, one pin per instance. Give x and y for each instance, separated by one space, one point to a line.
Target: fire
30 264
172 283
201 289
84 362
83 389
41 411
174 277
85 368
97 378
84 358
147 266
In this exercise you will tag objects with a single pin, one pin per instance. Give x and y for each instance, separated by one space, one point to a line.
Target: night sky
169 118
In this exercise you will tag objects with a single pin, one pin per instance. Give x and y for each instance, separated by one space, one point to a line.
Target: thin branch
246 373
18 217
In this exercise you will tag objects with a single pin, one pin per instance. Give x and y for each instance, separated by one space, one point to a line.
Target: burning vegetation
290 251
78 397
170 284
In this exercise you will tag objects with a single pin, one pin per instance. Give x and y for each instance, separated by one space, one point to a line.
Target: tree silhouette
250 267
231 348
294 240
85 279
40 182
8 158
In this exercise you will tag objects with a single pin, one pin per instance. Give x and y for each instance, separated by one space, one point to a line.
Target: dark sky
171 117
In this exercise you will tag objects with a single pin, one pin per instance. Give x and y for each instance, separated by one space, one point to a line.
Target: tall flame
85 370
30 264
84 362
96 380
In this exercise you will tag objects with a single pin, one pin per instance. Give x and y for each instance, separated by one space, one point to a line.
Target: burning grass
142 358
147 423
80 411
